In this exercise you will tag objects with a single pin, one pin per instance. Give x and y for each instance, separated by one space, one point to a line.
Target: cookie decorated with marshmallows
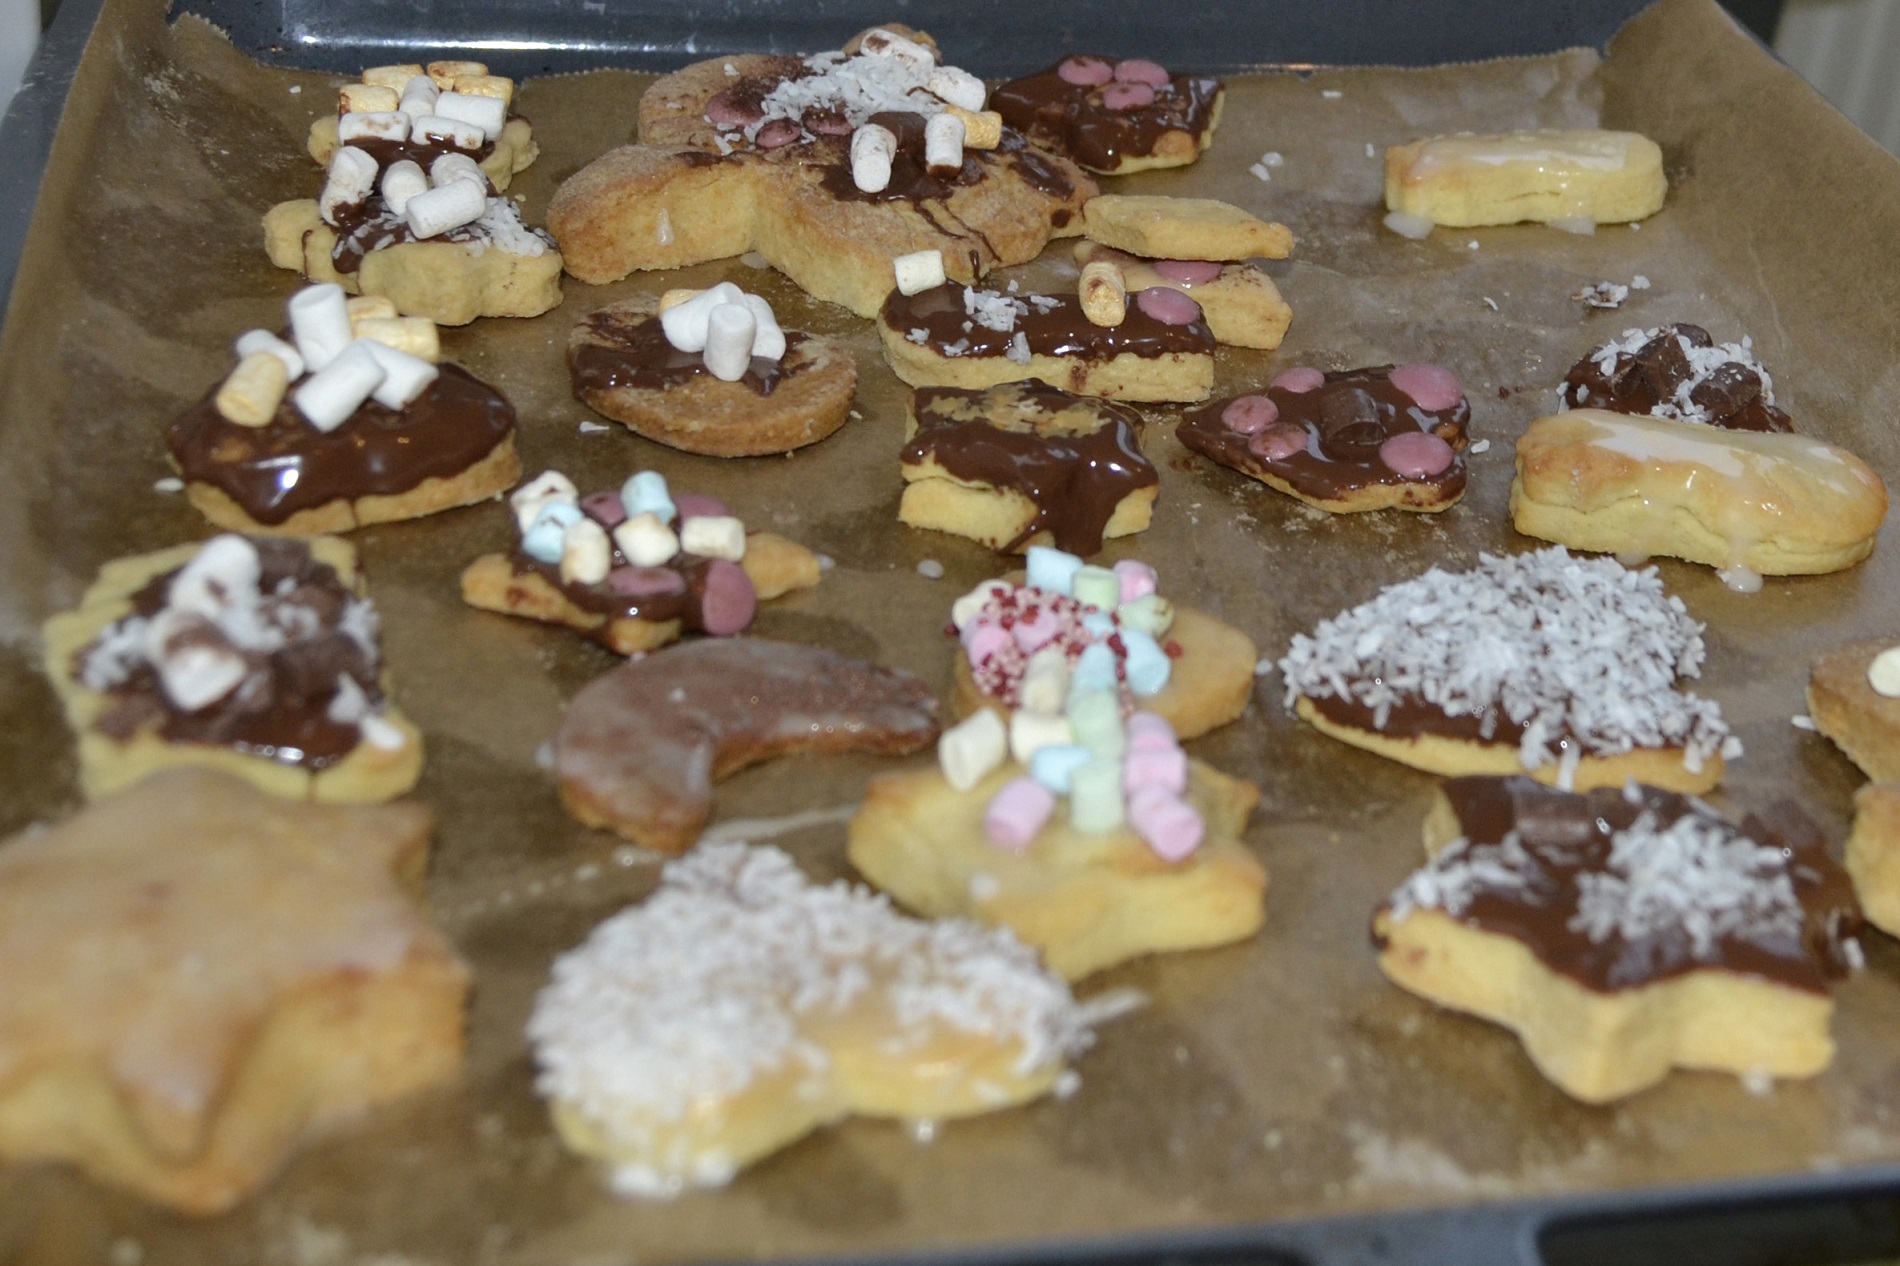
353 420
1114 115
711 372
1391 437
454 107
1239 302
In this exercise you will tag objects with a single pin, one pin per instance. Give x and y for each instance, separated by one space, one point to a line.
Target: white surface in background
19 32
1850 51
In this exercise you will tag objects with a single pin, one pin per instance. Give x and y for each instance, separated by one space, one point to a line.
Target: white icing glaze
1551 150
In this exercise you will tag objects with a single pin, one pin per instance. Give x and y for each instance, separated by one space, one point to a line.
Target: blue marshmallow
543 539
645 493
1095 670
1053 766
1147 665
1099 624
1052 570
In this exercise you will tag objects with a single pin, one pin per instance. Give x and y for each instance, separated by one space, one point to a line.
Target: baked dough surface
1468 179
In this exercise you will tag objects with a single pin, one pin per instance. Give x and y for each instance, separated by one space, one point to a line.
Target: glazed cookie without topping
1863 720
1239 302
1182 228
1113 115
1676 371
1469 180
258 657
1625 932
200 977
1359 439
1749 503
1025 464
1561 667
624 367
638 749
782 1006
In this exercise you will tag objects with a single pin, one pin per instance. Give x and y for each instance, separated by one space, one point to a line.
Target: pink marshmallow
1299 380
777 133
981 640
1278 442
1139 70
1170 307
1416 454
1146 767
1138 579
1085 72
1433 387
1169 824
1189 272
692 505
1150 732
1127 96
1250 415
1018 813
1033 632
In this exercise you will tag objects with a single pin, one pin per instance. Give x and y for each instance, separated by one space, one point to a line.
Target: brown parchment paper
1276 1079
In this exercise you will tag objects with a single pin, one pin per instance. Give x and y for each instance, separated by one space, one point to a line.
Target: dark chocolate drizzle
1056 328
1639 381
287 465
600 599
627 350
1567 836
1074 478
1071 119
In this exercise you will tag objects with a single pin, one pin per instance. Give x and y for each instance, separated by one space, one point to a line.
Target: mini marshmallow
1145 767
1170 826
1035 629
351 180
1050 570
965 609
444 73
1138 579
1029 732
264 341
328 397
1054 766
1146 666
943 144
982 639
377 731
768 340
957 86
249 396
873 146
446 207
402 181
453 167
586 555
969 751
362 307
546 537
1104 292
1017 813
1096 587
320 322
1150 732
918 271
196 666
383 125
646 541
1045 681
396 77
1095 797
368 99
498 86
404 376
416 335
713 536
527 500
685 324
678 295
1096 718
486 113
645 492
418 96
428 128
729 331
883 43
982 129
226 566
1883 674
1095 670
1152 614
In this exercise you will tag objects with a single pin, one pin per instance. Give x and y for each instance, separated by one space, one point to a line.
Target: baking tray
1277 1100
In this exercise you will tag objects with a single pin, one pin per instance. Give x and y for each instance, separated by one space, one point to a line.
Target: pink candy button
1170 825
1018 813
1138 579
692 505
1150 732
1416 454
645 582
1189 272
1170 307
727 600
1433 387
1085 72
725 110
1033 632
1278 442
605 508
1139 70
777 133
1149 767
1299 381
1250 415
1120 96
982 640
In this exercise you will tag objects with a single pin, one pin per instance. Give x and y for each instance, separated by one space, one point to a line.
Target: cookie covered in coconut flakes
1624 932
1561 667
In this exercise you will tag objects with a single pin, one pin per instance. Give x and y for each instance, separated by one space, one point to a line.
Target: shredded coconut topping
856 87
993 310
1566 648
1703 363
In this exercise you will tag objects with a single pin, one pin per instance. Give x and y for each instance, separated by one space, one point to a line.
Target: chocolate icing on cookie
634 352
951 323
1072 120
1678 371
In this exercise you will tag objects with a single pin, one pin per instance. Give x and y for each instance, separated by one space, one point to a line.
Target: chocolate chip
1349 426
1729 390
306 672
1662 365
1695 334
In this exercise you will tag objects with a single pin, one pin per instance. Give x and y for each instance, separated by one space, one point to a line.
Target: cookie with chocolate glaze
1114 115
1676 371
1239 302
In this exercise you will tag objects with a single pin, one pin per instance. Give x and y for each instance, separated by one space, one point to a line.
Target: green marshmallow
1097 587
1095 797
1096 717
1150 613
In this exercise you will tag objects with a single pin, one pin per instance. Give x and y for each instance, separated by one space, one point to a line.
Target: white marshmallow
873 146
919 271
646 541
401 182
729 331
964 609
250 394
1030 732
586 556
453 167
883 43
196 666
404 376
957 86
549 485
264 341
1045 682
367 307
393 77
320 323
416 335
1883 674
379 125
499 86
968 751
768 340
685 324
351 181
713 536
446 207
224 568
328 397
418 96
943 144
445 73
434 127
486 113
367 99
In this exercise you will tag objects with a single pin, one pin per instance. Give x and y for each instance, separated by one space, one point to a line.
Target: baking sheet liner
1276 1079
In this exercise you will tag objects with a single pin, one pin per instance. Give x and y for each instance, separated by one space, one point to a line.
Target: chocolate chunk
1349 428
306 672
1661 364
1727 391
1695 334
1550 816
